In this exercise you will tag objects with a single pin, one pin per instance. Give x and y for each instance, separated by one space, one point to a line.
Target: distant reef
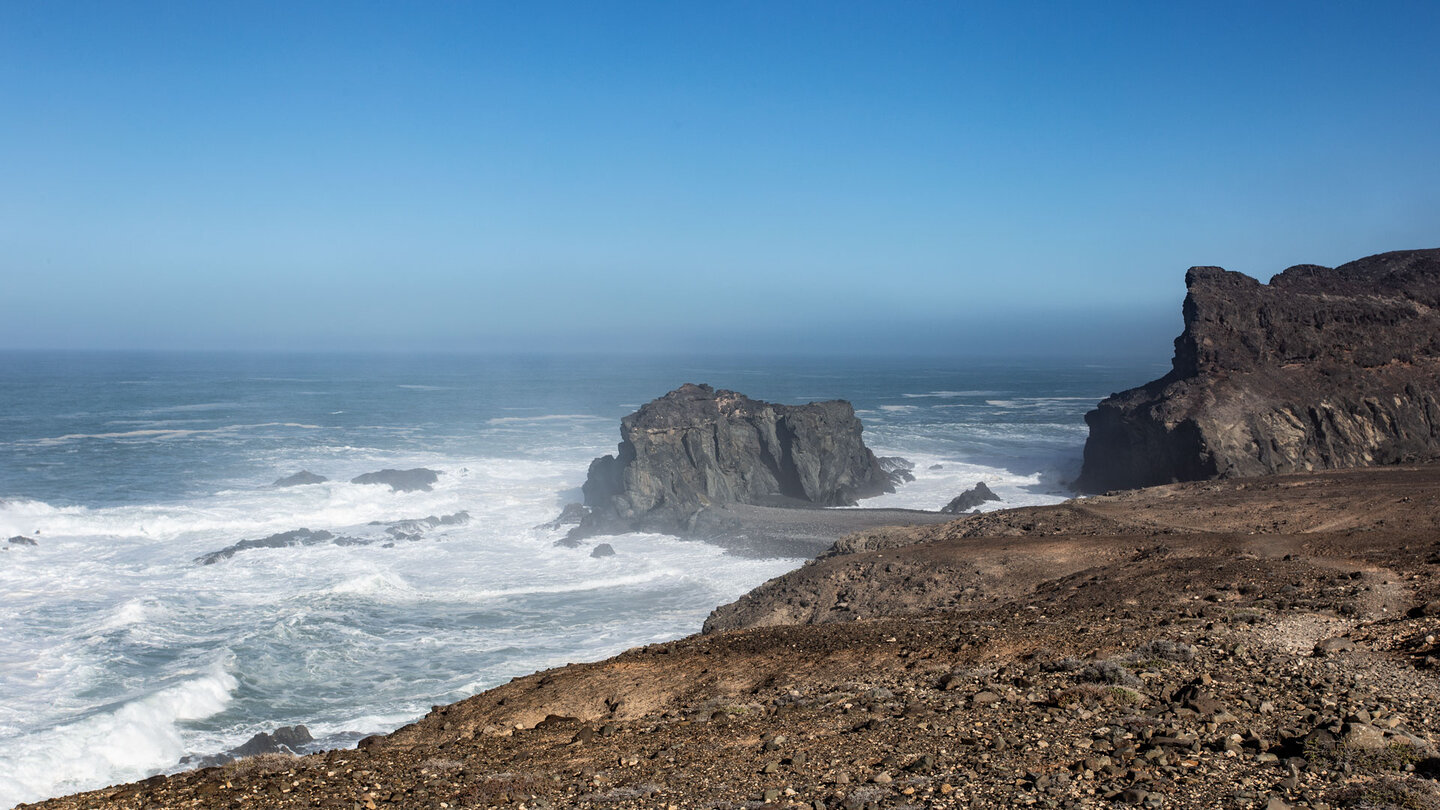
1321 368
698 448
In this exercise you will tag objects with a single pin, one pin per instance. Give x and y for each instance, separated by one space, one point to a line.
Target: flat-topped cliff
1321 368
696 448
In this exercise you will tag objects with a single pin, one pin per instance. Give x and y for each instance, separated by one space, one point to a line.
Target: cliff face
697 447
1321 368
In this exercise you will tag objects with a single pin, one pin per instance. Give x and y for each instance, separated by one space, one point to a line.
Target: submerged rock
20 540
969 499
300 479
697 447
603 550
1321 368
418 479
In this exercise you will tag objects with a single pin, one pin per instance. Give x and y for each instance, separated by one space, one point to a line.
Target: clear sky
950 177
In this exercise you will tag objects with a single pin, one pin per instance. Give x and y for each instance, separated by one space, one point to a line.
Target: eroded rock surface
1321 368
697 448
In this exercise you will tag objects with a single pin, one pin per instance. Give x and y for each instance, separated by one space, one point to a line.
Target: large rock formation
1321 368
697 448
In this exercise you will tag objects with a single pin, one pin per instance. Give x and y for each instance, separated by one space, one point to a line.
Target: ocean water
121 656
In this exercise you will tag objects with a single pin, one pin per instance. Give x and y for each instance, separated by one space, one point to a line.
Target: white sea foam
933 488
551 417
166 433
126 742
950 394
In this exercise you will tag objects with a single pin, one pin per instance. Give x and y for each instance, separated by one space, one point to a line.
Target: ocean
121 656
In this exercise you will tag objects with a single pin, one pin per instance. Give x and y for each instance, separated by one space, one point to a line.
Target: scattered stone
602 550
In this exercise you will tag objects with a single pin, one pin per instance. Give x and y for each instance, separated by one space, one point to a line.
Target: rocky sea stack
697 448
1321 368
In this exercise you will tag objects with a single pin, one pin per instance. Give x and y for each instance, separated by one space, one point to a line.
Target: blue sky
880 177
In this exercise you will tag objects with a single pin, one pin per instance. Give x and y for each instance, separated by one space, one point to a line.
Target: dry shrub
1389 794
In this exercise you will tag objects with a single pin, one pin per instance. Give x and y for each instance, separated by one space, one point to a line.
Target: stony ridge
1321 368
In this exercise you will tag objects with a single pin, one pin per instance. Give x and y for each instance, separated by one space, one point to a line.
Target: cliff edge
696 448
1321 368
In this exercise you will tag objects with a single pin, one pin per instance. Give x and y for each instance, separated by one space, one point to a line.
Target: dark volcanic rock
300 478
1320 368
298 537
697 447
969 499
284 740
900 470
419 479
21 540
571 515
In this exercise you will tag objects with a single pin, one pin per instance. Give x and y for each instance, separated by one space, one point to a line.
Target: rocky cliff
1321 368
697 448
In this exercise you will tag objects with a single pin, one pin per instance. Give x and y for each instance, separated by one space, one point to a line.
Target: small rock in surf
299 479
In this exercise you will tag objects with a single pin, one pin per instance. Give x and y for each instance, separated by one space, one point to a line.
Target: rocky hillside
697 448
1258 643
1321 368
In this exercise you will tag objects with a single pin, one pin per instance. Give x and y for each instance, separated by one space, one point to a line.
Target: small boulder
20 540
603 550
969 499
300 479
1333 646
284 740
1417 612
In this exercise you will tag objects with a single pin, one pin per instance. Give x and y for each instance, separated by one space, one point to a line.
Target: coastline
1155 587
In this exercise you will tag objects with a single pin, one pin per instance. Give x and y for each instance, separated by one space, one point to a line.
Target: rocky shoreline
1266 643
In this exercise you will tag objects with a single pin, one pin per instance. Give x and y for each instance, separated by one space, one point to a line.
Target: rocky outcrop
697 448
969 499
1321 368
392 531
416 480
295 537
